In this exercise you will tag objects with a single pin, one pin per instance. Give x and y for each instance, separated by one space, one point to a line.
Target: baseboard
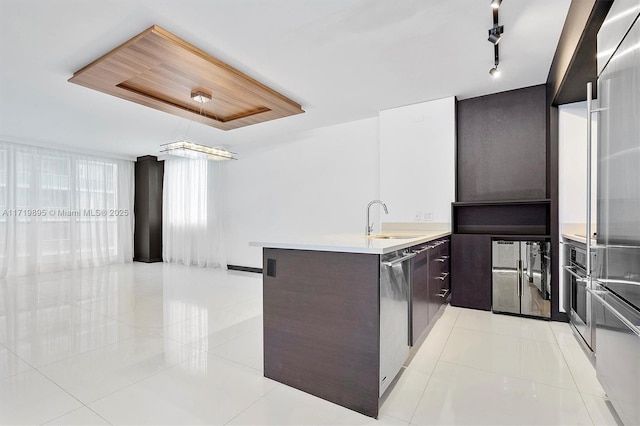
244 269
145 260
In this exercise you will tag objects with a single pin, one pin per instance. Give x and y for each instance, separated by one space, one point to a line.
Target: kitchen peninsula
338 309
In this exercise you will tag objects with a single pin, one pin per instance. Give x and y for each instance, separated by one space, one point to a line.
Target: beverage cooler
521 278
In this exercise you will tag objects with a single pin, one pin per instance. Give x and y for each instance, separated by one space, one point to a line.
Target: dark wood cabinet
471 271
322 324
430 286
502 146
439 278
506 185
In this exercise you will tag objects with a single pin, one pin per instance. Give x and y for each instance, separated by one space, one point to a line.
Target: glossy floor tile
11 364
60 344
168 344
246 350
80 417
288 406
31 398
482 350
204 390
95 374
403 401
461 395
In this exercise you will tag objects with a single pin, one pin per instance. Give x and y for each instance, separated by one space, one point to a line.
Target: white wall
417 161
316 183
572 157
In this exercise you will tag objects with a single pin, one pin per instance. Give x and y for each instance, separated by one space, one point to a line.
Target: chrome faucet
369 227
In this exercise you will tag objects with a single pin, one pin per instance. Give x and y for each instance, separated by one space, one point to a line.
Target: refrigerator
520 278
614 283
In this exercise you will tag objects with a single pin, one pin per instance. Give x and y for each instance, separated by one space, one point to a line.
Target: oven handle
625 321
576 276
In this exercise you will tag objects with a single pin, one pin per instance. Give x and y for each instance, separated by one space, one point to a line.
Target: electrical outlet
427 216
418 216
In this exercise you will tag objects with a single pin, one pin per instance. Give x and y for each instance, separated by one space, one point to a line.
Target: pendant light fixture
183 147
495 35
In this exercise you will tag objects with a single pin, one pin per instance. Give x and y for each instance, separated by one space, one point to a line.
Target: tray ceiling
159 70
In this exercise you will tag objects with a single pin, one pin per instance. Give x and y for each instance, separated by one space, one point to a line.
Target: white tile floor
166 344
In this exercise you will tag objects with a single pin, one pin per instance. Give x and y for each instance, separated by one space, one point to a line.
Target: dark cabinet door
438 277
419 295
444 256
435 273
471 271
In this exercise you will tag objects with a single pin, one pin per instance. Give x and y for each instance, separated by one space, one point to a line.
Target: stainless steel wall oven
580 315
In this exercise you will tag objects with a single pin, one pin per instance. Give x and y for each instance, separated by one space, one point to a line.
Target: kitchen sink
391 237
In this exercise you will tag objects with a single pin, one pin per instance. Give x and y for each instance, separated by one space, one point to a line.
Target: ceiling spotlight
200 97
495 3
495 72
495 34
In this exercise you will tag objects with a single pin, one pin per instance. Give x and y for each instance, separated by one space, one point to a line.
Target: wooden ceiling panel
159 70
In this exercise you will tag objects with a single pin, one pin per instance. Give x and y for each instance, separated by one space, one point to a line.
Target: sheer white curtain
60 210
191 227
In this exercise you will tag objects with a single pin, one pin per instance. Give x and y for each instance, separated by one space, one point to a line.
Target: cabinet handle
444 293
443 276
590 112
520 271
442 259
588 230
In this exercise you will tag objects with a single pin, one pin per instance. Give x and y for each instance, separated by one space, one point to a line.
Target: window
63 209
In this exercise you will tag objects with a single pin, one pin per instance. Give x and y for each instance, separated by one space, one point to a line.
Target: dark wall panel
502 146
149 173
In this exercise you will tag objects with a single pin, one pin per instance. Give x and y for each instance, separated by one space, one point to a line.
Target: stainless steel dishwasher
395 279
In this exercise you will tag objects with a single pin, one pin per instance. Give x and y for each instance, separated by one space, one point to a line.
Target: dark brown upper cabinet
502 146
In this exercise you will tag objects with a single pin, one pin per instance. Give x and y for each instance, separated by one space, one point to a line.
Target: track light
495 34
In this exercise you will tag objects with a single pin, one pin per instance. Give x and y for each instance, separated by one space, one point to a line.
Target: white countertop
577 232
578 238
353 243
